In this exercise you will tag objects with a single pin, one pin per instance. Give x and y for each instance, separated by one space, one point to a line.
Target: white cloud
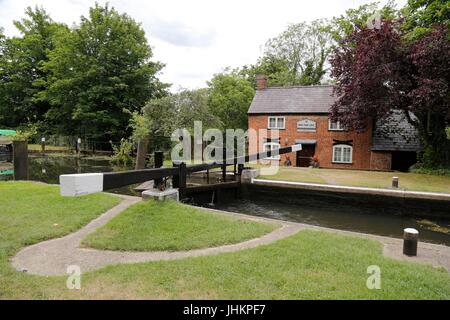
196 38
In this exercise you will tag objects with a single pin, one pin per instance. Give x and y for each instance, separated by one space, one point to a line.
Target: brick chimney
261 82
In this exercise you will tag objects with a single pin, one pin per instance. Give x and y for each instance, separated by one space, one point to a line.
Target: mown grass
38 147
309 265
168 225
359 178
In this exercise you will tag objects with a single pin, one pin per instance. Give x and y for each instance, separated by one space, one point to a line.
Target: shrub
420 168
123 153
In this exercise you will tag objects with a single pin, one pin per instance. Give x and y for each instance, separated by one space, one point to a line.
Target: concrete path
52 257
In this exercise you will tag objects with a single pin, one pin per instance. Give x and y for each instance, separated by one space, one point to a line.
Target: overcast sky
196 38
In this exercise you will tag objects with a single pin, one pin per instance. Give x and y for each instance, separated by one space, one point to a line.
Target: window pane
337 154
347 152
272 122
280 123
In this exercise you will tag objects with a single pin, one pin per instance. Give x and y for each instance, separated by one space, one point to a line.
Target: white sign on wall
306 125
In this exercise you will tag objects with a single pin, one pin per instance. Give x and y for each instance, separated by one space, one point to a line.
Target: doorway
305 155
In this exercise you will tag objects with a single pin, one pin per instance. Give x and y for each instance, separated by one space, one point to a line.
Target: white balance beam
73 185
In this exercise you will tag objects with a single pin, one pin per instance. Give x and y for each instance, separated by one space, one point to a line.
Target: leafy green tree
303 48
161 116
229 99
22 76
421 15
100 73
276 70
192 105
358 18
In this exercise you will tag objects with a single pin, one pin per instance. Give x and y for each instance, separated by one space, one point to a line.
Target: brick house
301 114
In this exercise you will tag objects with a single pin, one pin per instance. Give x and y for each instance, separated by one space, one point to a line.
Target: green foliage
22 75
421 15
229 99
193 105
356 19
25 134
161 116
298 55
123 153
100 73
420 168
447 130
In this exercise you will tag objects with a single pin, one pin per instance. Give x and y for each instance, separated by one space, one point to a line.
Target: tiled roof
302 99
395 133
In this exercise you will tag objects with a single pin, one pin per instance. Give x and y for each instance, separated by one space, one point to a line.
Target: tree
161 116
369 68
377 71
22 75
303 48
229 99
192 105
430 96
358 18
101 72
421 15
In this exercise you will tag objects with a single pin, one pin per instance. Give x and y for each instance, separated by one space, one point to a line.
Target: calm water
48 168
321 211
328 212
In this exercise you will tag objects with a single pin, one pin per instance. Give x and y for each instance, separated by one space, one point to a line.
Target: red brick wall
380 160
324 137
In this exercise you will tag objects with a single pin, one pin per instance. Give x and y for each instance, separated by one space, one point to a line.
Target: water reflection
326 212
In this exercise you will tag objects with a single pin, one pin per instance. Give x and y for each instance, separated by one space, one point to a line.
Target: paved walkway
52 257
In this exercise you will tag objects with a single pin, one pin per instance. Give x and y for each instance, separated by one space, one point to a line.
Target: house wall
325 138
380 160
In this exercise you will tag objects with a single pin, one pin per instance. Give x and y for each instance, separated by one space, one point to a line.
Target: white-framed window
269 146
275 123
335 126
342 153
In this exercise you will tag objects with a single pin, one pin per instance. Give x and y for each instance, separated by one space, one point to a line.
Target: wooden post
410 239
240 168
141 154
224 165
175 177
79 147
395 182
43 144
182 181
158 157
20 160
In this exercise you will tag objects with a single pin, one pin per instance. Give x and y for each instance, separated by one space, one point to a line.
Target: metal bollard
394 182
410 239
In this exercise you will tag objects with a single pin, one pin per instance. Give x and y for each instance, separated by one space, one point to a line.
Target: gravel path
52 257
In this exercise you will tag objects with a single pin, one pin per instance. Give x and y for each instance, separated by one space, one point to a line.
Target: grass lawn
168 225
310 264
38 147
359 178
